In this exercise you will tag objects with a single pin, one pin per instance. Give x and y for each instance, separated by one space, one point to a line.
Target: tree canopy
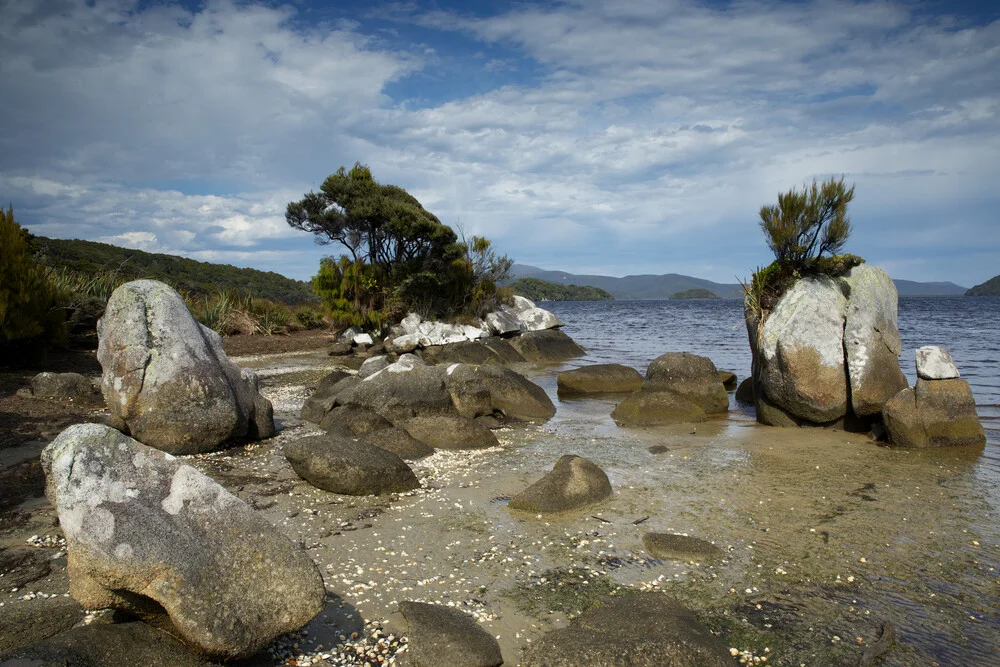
806 224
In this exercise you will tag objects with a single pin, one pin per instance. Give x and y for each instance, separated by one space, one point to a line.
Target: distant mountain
912 288
990 288
631 287
664 286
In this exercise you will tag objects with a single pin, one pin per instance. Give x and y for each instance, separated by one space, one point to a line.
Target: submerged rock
599 379
656 408
689 377
167 380
573 482
639 630
148 534
546 345
343 465
679 547
442 636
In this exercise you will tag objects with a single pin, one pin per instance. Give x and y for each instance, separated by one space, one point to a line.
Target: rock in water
690 377
599 379
871 340
639 630
147 534
167 380
729 380
482 390
547 345
338 464
656 408
933 363
799 364
934 413
573 482
443 636
679 547
744 392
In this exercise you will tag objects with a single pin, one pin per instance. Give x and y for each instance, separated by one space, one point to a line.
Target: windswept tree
806 224
399 256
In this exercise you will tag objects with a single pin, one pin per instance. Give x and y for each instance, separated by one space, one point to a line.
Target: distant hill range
92 258
664 286
990 288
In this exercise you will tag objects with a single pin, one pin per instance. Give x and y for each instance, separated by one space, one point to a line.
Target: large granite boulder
343 465
401 390
729 380
599 379
503 321
440 635
690 377
467 352
167 380
871 340
532 317
547 345
639 630
828 351
399 442
572 483
504 350
934 413
656 408
149 534
450 431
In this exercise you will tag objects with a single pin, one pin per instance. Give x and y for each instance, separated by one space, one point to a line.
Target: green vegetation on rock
990 288
542 290
699 293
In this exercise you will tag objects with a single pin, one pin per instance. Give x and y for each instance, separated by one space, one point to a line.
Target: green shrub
806 224
28 302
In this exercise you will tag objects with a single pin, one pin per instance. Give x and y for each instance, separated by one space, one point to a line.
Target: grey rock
148 534
933 363
871 340
440 635
450 431
63 386
637 630
166 378
399 442
373 365
465 352
744 392
105 645
679 547
357 419
533 318
934 413
510 393
728 379
25 623
504 350
362 339
342 465
572 483
402 390
503 321
324 396
599 379
690 377
405 343
548 345
340 349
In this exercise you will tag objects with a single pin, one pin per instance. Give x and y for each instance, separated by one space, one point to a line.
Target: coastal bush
802 227
399 256
28 302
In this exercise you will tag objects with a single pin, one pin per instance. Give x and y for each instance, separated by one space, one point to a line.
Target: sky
616 138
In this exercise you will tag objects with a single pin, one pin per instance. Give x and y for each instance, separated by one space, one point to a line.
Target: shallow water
826 535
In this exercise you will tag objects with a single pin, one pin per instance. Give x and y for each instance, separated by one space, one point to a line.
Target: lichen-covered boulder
934 413
547 345
639 630
532 317
344 465
442 636
599 379
450 431
573 482
656 408
799 362
166 379
142 528
401 390
467 352
373 365
399 442
871 340
503 321
690 377
324 395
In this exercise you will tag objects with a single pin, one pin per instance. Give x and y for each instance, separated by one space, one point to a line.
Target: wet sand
825 534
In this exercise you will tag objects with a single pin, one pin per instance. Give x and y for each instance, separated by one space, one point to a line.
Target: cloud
630 137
